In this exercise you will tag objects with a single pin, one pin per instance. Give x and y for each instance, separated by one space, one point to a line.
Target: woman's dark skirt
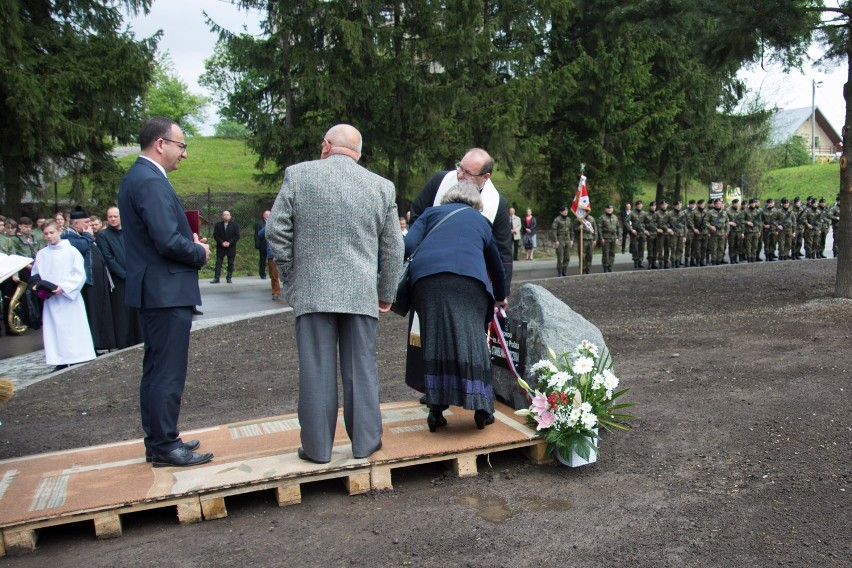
452 365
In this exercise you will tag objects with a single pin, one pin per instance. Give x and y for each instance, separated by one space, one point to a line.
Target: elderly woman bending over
457 278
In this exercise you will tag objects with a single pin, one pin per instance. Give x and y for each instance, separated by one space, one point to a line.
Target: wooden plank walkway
102 483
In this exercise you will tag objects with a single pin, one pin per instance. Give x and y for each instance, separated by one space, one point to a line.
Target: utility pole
814 84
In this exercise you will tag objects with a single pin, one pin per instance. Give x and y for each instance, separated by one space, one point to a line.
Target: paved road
22 357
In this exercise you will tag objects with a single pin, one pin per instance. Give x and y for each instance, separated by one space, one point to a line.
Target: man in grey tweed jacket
337 277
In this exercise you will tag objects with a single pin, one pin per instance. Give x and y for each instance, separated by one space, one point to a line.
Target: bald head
342 139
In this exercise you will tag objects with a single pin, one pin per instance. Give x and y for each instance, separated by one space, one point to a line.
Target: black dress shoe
59 368
482 418
304 457
228 280
376 449
180 457
192 445
435 420
214 281
196 311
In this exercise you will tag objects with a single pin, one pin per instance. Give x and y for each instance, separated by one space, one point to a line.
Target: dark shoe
192 445
435 420
304 457
376 449
214 281
180 457
482 418
228 280
423 400
59 368
196 311
263 276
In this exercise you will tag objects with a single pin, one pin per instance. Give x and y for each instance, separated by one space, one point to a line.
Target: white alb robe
65 329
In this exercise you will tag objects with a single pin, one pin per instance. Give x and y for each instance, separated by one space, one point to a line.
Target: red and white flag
581 206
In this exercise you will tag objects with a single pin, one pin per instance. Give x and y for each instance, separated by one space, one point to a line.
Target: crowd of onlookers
108 323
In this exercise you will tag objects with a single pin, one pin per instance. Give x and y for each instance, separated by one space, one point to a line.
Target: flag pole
581 246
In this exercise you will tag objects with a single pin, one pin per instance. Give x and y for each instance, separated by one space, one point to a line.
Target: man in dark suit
226 233
163 257
260 245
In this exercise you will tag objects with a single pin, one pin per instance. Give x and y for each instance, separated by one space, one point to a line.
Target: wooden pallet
103 483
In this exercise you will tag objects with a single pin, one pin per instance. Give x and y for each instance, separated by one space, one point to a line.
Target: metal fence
246 210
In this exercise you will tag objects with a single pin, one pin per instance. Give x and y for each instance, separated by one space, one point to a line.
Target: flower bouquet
574 396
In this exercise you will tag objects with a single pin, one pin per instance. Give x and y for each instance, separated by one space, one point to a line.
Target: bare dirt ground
742 456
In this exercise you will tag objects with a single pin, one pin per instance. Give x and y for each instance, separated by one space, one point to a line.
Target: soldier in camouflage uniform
717 223
798 208
735 233
699 235
609 230
637 233
651 234
786 230
752 221
589 238
678 226
770 232
562 240
808 222
687 247
665 234
834 217
824 223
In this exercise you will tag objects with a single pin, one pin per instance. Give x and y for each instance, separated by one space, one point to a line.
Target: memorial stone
549 323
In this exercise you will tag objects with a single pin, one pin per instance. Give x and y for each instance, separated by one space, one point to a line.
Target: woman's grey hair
464 192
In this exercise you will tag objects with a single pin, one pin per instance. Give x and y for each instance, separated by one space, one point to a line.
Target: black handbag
402 304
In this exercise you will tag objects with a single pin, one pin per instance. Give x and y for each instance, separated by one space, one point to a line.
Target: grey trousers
318 337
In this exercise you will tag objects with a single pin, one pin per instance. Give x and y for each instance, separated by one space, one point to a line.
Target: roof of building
785 123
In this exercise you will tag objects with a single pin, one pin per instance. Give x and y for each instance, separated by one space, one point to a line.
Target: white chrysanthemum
575 414
589 420
585 407
597 381
610 380
544 365
583 365
592 348
558 380
609 394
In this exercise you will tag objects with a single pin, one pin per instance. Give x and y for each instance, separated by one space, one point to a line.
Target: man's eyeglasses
459 168
180 145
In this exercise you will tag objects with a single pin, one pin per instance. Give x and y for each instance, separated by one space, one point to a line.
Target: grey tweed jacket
334 234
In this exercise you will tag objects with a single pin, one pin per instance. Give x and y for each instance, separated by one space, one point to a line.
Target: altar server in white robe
65 329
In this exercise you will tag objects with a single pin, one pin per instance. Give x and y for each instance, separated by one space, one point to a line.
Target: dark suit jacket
502 226
260 239
231 235
162 260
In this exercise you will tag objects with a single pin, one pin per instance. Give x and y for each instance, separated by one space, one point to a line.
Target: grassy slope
215 163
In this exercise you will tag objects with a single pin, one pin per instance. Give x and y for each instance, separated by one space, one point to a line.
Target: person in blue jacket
457 278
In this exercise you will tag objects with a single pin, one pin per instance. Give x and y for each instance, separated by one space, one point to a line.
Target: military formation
703 233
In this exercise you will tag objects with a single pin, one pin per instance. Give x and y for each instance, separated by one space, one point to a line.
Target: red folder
194 218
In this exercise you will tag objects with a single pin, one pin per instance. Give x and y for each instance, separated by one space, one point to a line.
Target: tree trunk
662 167
843 280
13 187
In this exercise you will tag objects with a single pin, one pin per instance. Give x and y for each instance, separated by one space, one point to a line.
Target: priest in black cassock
126 321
